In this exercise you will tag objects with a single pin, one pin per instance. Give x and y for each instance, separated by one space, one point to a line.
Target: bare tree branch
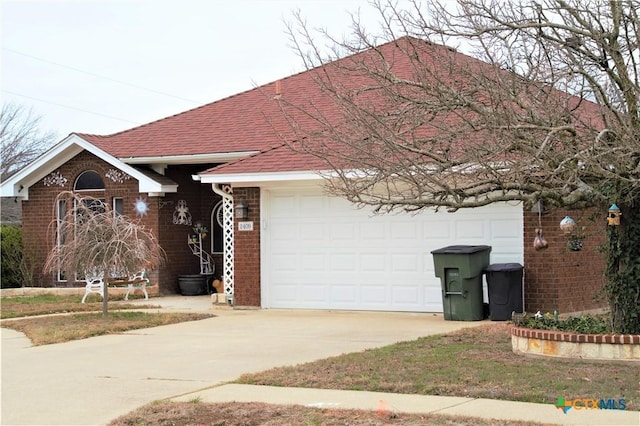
549 110
92 238
21 141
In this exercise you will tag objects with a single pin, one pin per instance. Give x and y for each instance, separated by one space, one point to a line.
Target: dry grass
63 328
476 362
16 307
250 414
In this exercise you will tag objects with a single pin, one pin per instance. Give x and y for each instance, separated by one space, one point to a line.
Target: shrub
585 324
11 247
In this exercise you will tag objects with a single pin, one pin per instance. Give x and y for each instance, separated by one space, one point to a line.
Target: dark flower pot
192 285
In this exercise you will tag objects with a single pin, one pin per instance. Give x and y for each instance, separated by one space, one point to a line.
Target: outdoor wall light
242 210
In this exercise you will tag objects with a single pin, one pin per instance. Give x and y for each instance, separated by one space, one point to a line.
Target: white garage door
320 252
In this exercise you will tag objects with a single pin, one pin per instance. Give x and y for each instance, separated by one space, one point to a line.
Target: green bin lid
460 249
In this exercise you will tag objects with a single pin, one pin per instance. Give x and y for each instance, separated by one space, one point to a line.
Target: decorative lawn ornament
539 243
141 207
567 225
181 215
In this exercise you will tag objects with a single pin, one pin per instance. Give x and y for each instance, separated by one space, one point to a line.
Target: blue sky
98 66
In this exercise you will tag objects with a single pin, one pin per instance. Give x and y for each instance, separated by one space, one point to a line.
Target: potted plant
192 285
575 242
200 229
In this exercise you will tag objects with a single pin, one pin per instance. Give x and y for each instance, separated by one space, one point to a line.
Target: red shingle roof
248 121
277 159
254 120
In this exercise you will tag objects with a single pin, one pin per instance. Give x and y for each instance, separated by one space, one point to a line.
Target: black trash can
460 271
504 283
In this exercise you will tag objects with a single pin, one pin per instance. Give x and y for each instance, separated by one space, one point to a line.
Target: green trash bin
460 269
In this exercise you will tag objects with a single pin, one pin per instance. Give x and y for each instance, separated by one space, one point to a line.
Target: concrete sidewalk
420 404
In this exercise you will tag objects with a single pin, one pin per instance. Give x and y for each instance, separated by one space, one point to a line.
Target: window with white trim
117 206
89 180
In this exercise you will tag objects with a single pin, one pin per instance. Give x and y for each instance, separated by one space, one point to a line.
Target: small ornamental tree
547 109
91 237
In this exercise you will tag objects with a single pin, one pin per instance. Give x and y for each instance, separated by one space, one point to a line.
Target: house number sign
245 226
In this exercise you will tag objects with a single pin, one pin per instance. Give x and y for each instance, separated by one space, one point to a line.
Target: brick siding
39 215
557 278
247 251
39 212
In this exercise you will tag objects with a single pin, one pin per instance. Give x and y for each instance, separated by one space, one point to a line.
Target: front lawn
474 362
75 320
63 328
259 414
25 306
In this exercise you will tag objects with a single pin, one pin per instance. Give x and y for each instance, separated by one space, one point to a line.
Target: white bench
95 284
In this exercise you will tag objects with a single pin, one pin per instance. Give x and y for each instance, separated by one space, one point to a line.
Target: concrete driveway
93 381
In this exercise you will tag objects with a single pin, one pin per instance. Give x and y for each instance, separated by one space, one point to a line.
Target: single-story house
297 247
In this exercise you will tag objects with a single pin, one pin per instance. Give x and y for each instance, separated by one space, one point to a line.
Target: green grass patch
475 362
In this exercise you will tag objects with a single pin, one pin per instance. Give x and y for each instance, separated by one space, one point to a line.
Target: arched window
89 181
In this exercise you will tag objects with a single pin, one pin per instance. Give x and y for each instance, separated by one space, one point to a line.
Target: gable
18 185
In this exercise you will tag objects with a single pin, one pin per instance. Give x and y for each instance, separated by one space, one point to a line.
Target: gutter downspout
227 241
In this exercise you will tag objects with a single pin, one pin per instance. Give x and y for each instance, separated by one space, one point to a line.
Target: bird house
613 219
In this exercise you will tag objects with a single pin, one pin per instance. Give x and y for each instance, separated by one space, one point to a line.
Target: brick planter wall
562 344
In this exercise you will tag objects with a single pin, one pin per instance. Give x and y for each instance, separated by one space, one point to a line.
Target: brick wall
39 212
557 278
247 251
173 237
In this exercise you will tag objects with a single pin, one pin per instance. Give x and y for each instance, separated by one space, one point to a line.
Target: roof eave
222 157
18 184
248 179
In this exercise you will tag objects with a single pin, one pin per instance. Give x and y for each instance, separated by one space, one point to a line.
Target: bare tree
92 238
21 140
548 109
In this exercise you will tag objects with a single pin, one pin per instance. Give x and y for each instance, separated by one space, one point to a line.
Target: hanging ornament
567 225
539 243
141 207
575 243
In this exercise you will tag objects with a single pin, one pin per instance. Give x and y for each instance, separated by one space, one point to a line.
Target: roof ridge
262 86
